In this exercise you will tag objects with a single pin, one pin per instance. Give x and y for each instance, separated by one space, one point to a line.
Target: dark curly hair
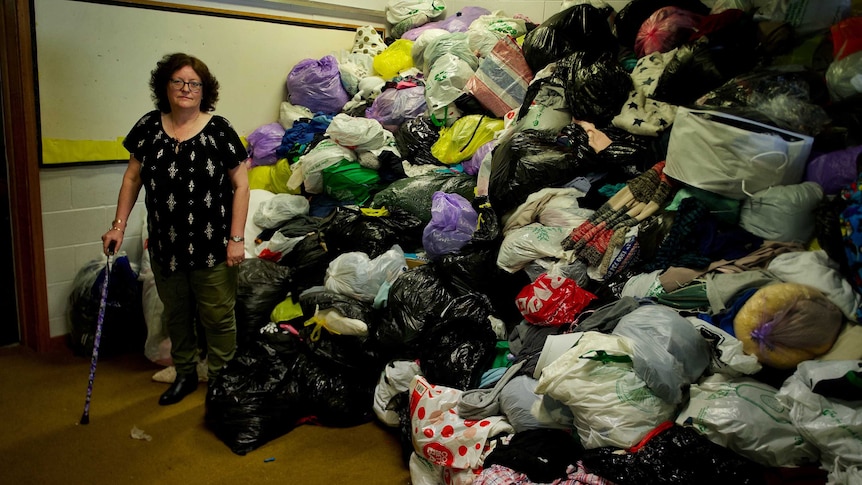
170 64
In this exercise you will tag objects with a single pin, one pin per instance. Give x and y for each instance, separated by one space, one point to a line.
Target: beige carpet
42 399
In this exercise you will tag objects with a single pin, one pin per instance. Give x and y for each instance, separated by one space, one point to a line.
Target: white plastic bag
727 354
356 275
279 208
288 113
834 426
742 414
611 405
307 170
357 133
733 156
668 353
440 435
447 81
784 213
525 244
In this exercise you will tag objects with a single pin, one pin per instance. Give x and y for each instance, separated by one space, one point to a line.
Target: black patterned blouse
189 194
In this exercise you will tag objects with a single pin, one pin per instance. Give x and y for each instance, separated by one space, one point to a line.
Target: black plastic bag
414 139
261 287
577 28
532 160
308 262
124 328
349 230
708 62
597 86
458 346
415 297
253 400
677 455
335 376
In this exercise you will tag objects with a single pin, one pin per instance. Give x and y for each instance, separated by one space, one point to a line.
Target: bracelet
114 228
116 221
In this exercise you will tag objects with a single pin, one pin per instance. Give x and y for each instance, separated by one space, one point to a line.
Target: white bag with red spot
440 435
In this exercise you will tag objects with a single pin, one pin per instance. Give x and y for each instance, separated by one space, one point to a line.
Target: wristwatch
237 238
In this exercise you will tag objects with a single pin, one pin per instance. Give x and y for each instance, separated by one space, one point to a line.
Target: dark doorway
9 329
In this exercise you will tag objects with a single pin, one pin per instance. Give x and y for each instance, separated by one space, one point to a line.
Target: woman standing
192 165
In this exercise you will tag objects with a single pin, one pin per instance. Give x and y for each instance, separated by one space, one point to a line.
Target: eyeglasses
179 84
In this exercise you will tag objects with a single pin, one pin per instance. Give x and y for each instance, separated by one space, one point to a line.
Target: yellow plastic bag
394 59
461 140
286 310
260 177
272 178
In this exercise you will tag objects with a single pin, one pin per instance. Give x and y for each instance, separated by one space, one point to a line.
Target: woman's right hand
112 240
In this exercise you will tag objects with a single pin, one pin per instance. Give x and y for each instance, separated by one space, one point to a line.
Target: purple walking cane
85 418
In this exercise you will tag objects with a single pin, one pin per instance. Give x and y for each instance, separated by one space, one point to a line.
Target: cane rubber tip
85 419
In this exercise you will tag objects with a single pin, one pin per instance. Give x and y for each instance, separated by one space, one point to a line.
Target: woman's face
185 89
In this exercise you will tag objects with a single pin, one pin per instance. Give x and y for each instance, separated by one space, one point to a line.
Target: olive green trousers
205 295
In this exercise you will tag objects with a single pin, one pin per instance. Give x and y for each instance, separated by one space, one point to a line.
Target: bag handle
757 158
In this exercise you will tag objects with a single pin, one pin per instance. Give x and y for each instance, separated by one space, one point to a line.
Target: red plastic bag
846 37
552 301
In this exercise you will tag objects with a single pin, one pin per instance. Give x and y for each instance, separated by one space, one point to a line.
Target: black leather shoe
183 385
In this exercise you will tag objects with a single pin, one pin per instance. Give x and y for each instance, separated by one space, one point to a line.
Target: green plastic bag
349 181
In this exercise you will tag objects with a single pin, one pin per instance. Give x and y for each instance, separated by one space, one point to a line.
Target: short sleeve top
188 192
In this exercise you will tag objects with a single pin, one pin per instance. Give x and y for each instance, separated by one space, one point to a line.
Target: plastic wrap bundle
784 324
463 343
577 28
316 84
250 402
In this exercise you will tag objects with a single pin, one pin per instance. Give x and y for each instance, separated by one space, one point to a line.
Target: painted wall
78 203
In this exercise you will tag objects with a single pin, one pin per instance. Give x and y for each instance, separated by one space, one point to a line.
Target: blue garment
724 320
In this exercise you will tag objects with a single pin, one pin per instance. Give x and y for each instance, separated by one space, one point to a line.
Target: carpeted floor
42 400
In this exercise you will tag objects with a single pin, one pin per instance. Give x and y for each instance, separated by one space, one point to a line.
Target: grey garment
527 410
483 403
721 288
605 318
526 342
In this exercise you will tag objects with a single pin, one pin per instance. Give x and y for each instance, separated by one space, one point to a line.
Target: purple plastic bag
834 170
316 84
395 106
263 142
472 165
453 221
459 22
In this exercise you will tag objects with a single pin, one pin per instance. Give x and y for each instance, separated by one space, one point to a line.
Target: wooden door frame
21 132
